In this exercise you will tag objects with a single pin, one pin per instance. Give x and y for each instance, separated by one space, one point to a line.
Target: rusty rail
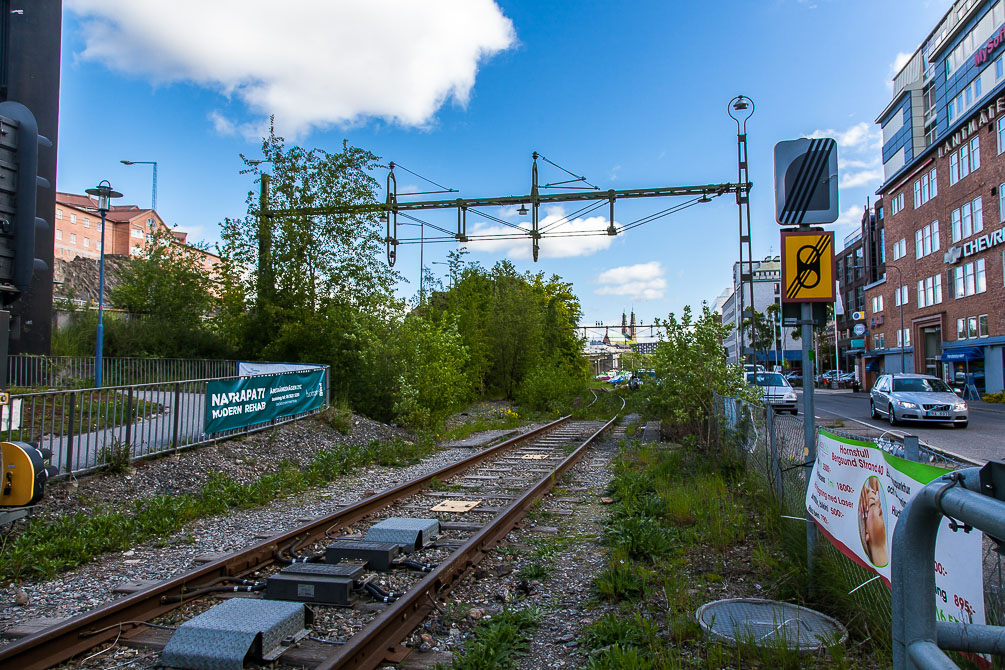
65 640
380 639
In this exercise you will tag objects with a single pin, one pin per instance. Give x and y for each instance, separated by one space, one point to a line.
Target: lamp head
103 192
523 210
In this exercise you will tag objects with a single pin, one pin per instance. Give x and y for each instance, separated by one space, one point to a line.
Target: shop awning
872 366
963 354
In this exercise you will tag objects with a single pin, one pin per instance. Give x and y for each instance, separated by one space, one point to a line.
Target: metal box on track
409 534
376 555
319 583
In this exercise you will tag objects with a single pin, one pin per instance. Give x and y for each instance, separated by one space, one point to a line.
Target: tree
691 368
758 328
170 294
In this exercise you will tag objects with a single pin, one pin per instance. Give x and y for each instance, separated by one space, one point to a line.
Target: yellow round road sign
808 266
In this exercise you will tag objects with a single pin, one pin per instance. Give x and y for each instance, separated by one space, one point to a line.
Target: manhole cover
769 623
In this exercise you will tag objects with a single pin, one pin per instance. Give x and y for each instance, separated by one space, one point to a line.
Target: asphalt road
982 440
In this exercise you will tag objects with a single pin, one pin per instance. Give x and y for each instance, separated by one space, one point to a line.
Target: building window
59 234
904 337
73 217
961 329
965 160
930 291
972 329
877 304
900 296
968 219
899 249
970 279
982 325
925 188
87 223
882 245
73 238
137 232
879 340
87 243
59 214
897 203
926 240
150 223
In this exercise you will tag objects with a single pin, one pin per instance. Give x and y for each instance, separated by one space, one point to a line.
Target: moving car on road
901 397
775 391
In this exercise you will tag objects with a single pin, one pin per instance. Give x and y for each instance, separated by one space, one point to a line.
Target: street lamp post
153 193
103 192
450 274
740 109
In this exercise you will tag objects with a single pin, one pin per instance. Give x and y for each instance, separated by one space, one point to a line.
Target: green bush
550 387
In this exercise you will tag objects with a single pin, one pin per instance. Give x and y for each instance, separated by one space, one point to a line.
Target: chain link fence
774 449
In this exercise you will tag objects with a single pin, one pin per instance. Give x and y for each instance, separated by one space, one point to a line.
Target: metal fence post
69 433
776 468
129 418
912 450
177 416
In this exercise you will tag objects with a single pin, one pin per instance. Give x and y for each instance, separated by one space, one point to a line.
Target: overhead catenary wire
571 174
424 223
446 189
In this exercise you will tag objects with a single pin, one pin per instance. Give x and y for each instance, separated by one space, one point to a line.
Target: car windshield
921 385
767 379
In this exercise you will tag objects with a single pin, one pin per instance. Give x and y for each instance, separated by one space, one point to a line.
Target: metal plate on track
455 506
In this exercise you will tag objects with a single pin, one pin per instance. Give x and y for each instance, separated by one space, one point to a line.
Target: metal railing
74 371
89 429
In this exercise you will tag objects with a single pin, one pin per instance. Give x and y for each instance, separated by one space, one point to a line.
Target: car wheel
872 410
960 424
892 417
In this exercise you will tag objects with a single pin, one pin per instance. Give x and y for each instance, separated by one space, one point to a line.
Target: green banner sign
246 401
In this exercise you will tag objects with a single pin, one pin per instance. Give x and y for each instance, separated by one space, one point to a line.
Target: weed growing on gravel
436 485
338 416
497 643
48 547
531 571
500 419
679 530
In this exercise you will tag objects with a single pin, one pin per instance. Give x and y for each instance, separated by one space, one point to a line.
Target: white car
775 391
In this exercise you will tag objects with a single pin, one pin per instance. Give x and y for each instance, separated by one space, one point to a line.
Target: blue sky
629 94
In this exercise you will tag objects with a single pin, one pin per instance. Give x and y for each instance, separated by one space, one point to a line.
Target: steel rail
380 639
65 640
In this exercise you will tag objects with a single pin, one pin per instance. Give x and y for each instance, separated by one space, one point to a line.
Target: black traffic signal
19 143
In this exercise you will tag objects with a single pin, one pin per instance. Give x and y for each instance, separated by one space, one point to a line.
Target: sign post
806 193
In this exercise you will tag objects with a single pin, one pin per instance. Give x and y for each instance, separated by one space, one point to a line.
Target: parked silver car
775 391
918 398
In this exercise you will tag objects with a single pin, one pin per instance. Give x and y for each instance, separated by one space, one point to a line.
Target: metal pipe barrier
92 428
973 498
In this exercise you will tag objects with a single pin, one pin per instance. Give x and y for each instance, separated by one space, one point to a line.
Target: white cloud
645 281
312 63
860 149
578 237
851 216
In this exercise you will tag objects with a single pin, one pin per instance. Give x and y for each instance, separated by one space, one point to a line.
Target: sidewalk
998 408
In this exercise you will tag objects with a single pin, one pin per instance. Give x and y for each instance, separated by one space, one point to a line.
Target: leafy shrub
550 387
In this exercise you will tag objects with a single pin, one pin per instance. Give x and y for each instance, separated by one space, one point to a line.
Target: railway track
504 481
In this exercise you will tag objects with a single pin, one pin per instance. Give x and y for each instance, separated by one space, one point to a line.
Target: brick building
944 195
128 230
860 263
